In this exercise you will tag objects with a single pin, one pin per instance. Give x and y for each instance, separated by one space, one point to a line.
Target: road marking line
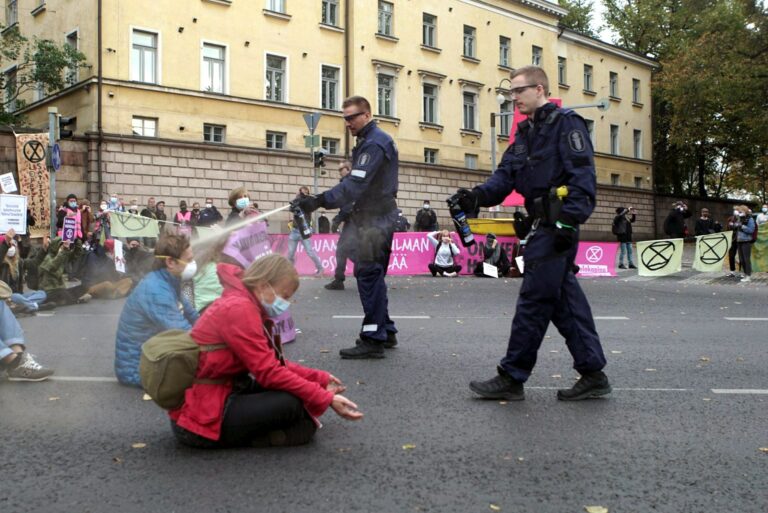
391 317
609 318
83 379
746 318
743 391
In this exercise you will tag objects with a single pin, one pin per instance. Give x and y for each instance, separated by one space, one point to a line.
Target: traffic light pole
53 123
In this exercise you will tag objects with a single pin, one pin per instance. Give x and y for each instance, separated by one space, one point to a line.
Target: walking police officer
551 164
372 187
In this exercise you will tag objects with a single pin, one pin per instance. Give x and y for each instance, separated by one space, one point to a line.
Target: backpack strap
211 347
207 348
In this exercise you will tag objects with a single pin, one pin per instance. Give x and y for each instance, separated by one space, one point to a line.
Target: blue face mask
241 203
278 307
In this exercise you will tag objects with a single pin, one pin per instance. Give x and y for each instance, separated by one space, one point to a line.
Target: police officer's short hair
534 74
358 101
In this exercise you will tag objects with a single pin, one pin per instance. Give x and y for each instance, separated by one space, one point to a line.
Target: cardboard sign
490 270
13 213
119 256
7 183
34 181
248 244
69 229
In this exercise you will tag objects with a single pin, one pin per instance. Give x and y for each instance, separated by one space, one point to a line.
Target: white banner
13 213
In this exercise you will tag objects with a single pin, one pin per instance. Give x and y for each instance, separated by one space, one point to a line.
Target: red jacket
236 319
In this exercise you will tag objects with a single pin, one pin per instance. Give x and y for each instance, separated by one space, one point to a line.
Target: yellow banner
34 181
659 257
131 225
711 251
760 250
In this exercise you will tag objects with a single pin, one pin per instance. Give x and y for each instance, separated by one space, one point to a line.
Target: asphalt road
679 433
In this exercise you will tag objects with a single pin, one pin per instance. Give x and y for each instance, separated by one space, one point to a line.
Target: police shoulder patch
363 159
576 141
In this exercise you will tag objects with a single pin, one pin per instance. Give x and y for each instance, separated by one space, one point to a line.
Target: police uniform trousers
551 292
370 246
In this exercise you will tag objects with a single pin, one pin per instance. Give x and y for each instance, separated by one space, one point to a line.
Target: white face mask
11 252
208 205
189 271
765 210
103 206
426 206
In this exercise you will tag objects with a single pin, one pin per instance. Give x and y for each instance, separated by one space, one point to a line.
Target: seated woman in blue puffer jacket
155 305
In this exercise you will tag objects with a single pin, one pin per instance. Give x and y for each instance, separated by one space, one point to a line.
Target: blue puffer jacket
155 305
746 229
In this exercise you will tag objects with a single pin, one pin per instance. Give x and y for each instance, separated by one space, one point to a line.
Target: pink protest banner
247 245
412 252
597 258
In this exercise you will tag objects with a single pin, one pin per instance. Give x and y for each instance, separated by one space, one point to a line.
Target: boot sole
590 394
369 356
506 397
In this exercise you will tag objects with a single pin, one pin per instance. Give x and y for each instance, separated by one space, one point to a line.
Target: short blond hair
534 74
271 269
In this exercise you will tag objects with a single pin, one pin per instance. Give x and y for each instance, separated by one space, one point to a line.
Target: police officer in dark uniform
551 164
342 244
372 187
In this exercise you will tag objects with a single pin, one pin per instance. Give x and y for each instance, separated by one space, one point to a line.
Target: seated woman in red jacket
279 404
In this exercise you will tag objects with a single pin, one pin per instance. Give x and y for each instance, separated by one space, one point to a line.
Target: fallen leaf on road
556 376
454 354
707 399
408 447
343 449
704 359
595 509
325 351
494 507
360 382
763 449
503 402
146 397
554 351
739 359
459 321
53 398
117 459
650 370
616 352
437 295
139 445
674 331
521 459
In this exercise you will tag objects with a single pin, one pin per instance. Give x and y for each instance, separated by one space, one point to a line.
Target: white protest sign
7 183
490 270
520 264
13 213
119 257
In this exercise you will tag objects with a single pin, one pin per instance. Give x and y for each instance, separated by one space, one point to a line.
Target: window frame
282 4
589 78
338 87
505 122
534 54
562 70
11 12
505 46
213 126
204 67
615 179
286 76
475 110
393 94
390 15
325 9
615 145
425 29
430 156
283 136
158 54
144 119
472 39
637 143
435 103
590 124
613 84
474 157
636 90
76 73
11 105
326 147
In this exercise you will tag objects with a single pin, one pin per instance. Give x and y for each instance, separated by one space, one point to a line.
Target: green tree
37 64
579 17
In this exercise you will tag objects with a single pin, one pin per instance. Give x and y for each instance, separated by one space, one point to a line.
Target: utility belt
373 209
545 212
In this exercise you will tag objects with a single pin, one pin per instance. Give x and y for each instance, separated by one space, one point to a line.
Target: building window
470 111
430 156
39 91
11 92
275 79
329 88
505 120
635 90
276 6
11 12
536 54
214 68
71 76
639 182
562 71
614 139
276 140
588 77
590 130
637 139
386 95
614 179
331 12
144 127
470 161
144 57
504 44
214 133
386 15
613 84
430 103
331 145
469 41
429 30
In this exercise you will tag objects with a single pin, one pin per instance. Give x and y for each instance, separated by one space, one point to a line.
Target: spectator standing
209 216
705 224
732 224
71 209
622 229
339 224
102 224
294 237
160 215
445 251
195 213
183 218
150 211
401 223
674 224
426 219
240 202
745 228
762 217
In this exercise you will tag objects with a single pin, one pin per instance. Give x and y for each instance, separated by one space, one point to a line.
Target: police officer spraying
551 164
372 187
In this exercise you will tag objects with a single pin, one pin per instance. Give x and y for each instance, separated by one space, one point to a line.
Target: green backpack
168 365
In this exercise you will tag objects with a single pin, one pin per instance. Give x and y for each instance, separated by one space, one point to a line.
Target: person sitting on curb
101 278
15 362
262 399
51 273
12 274
445 251
493 254
155 305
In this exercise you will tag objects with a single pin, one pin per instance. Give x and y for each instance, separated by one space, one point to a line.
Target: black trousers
258 418
732 257
64 297
435 269
745 257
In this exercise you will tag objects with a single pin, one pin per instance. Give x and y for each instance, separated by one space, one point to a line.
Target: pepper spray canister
300 222
461 223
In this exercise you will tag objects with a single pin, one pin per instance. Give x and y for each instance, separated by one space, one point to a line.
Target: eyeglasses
519 90
350 117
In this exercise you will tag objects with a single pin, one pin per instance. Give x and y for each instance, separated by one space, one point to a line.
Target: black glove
522 225
467 200
566 236
308 204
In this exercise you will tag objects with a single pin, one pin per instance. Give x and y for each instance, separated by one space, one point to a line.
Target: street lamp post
500 99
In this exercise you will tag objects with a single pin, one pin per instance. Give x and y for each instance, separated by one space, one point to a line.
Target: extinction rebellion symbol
34 151
594 254
658 255
713 249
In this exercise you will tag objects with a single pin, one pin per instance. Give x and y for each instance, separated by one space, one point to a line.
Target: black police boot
364 348
590 384
501 386
335 285
391 340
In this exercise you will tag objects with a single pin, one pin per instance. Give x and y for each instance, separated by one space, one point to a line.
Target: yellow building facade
243 73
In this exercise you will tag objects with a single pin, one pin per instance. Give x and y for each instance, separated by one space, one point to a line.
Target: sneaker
746 279
592 384
622 266
632 266
730 275
363 349
46 306
27 369
84 298
501 386
335 285
451 275
318 272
